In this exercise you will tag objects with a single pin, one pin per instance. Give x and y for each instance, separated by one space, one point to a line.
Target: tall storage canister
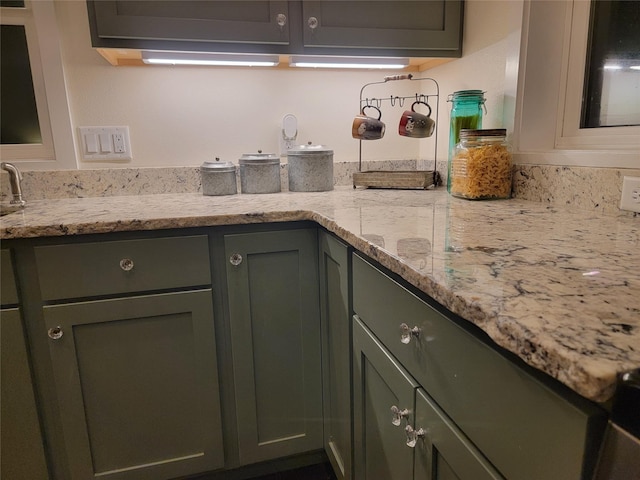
466 113
310 168
218 178
259 173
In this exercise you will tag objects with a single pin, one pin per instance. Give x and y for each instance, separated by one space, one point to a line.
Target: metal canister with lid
260 172
310 168
218 178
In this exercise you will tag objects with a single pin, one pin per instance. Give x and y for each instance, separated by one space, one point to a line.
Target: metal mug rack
432 96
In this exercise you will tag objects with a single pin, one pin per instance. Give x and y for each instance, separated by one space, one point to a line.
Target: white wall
490 43
181 116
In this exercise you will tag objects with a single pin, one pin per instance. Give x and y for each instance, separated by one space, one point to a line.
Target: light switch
91 142
105 142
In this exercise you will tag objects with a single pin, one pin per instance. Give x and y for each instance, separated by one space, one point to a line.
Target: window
553 123
36 129
612 76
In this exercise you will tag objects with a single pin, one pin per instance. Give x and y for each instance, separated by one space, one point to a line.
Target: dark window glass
18 111
12 3
612 80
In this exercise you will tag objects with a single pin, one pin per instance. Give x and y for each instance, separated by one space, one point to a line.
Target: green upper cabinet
190 25
425 28
385 28
272 284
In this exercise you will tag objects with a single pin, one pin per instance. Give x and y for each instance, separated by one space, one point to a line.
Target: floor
314 472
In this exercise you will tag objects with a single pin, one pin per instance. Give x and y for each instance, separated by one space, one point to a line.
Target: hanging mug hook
374 107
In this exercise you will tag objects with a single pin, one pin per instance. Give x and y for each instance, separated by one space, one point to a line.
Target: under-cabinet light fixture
347 62
213 59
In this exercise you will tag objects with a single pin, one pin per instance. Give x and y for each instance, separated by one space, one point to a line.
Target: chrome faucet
15 179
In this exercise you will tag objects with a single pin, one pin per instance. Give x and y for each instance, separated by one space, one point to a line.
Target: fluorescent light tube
311 61
213 59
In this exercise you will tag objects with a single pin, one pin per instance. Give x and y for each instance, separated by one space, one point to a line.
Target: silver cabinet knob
413 435
235 259
398 415
55 333
126 264
313 23
407 333
281 19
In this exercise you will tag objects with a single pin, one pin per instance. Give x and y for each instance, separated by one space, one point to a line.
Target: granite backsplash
593 189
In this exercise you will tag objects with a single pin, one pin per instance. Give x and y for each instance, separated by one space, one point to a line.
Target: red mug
416 125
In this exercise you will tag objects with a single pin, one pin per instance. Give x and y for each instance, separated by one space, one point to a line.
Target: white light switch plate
103 144
630 199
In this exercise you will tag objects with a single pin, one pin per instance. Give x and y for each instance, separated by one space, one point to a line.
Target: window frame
549 99
57 150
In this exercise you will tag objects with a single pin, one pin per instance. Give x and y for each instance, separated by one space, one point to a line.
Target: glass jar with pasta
481 165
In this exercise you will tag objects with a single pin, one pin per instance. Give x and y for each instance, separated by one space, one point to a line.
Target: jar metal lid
461 94
218 166
259 158
310 149
494 132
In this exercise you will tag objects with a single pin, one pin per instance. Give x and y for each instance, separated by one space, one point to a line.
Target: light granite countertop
560 288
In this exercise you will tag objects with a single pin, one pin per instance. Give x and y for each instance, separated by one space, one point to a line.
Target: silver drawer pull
235 259
408 333
281 19
313 23
398 415
126 264
413 435
55 333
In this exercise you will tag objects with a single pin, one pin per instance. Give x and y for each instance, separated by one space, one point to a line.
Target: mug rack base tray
399 179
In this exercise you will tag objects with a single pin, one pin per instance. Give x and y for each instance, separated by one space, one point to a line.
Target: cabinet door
444 452
21 449
336 353
137 387
407 28
272 281
380 385
141 23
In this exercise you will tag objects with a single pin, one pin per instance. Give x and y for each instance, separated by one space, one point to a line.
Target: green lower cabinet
22 454
272 280
335 311
442 451
136 385
21 450
399 431
380 385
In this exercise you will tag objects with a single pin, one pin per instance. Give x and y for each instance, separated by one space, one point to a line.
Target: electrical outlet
630 199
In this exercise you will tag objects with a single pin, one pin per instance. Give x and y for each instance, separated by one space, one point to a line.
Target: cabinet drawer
526 428
123 266
8 292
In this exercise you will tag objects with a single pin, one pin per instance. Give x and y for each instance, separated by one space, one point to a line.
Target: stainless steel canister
218 178
260 173
310 168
